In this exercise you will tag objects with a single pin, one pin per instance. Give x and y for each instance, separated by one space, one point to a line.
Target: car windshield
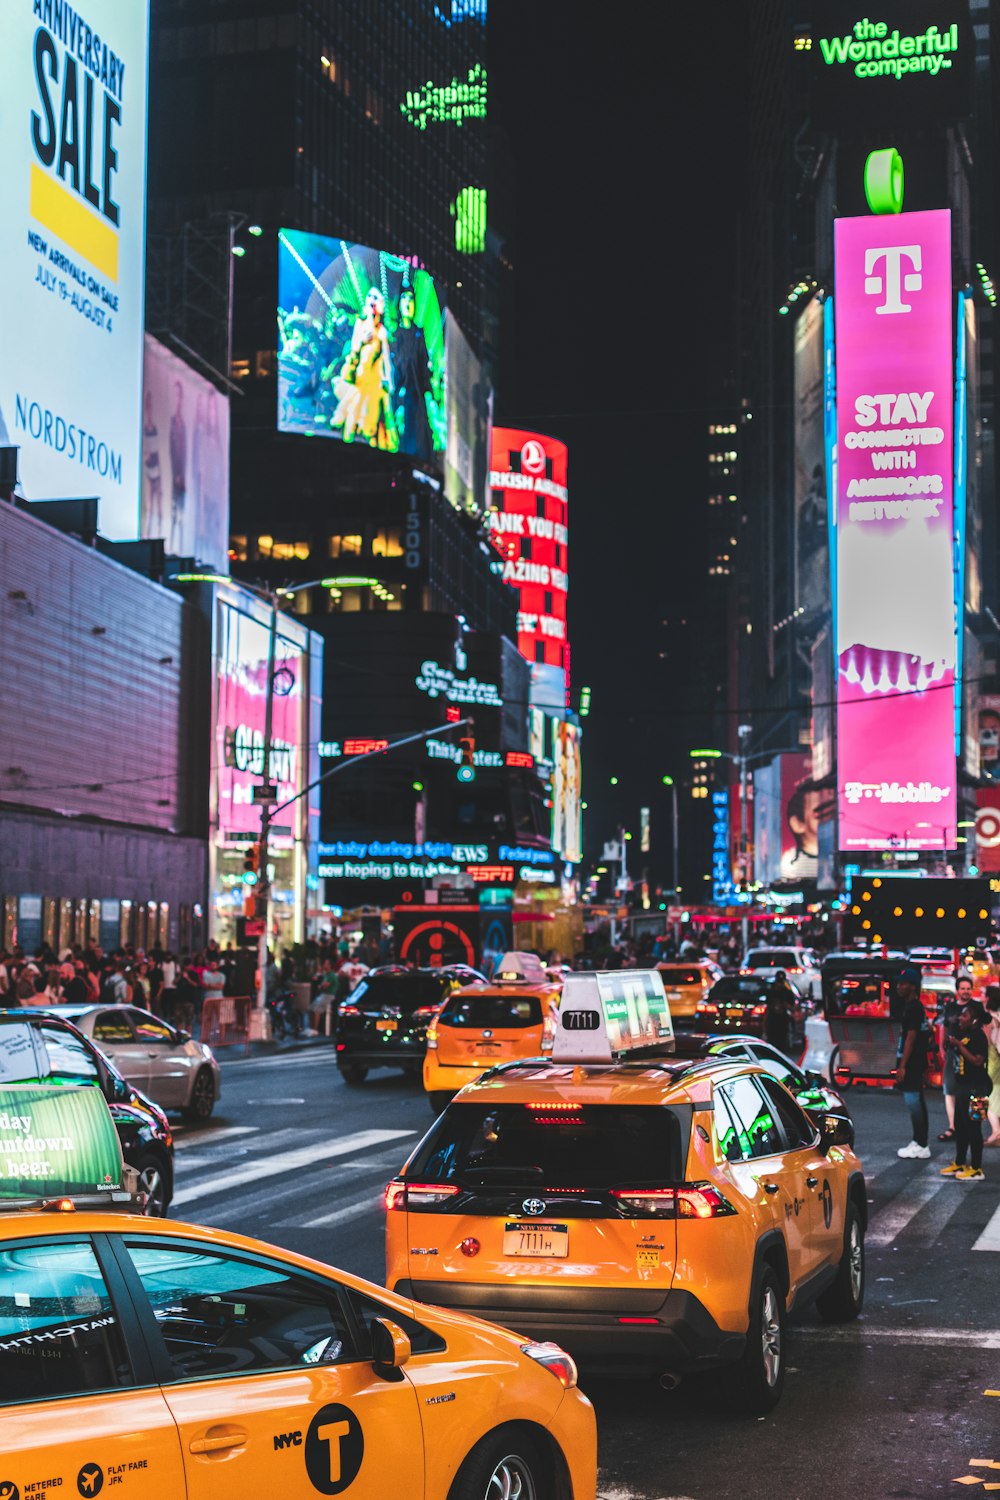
499 1011
590 1146
38 1048
772 958
680 975
404 992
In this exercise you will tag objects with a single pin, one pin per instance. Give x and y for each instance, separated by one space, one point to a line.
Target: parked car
38 1046
383 1022
800 965
166 1063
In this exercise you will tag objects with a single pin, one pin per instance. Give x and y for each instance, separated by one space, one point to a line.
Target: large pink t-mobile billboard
896 644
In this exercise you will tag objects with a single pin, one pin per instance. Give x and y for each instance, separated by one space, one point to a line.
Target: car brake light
418 1196
348 1010
553 1107
695 1200
759 1010
425 1012
643 1322
706 1009
794 971
432 1038
556 1361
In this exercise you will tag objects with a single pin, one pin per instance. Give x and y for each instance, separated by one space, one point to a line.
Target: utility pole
268 797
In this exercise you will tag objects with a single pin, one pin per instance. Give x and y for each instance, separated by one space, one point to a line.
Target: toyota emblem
533 1207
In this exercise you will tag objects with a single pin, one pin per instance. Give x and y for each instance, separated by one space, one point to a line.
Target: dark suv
56 1052
383 1022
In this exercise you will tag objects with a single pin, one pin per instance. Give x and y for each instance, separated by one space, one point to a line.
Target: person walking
911 1061
993 1063
972 1082
950 1012
778 1015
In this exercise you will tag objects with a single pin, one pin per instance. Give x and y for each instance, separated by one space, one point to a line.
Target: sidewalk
271 1049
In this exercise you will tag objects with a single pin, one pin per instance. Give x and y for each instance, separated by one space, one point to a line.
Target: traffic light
251 864
467 757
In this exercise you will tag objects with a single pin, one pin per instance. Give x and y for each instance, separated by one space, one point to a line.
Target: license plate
673 994
548 1240
490 1048
386 1025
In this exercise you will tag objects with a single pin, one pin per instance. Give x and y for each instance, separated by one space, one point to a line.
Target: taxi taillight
418 1196
556 1361
432 1037
693 1200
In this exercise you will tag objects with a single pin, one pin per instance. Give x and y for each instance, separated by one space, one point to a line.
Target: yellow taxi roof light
520 968
607 1013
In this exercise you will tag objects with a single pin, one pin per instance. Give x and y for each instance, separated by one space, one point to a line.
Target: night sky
626 133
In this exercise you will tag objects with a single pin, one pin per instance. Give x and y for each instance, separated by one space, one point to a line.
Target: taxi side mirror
836 1131
390 1346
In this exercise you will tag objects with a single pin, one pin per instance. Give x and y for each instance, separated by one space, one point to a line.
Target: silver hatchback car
168 1065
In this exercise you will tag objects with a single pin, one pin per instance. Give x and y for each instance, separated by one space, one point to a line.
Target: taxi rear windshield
502 1012
593 1146
680 976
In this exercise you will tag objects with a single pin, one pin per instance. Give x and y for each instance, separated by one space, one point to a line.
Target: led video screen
361 348
896 641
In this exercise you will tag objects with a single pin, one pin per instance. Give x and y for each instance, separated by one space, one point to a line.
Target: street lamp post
671 783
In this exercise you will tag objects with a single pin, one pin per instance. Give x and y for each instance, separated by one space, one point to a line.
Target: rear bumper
372 1056
441 1078
587 1322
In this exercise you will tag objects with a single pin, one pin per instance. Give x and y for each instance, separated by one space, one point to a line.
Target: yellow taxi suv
169 1360
652 1215
687 984
482 1025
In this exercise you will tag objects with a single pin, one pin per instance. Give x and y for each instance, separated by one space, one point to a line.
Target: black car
62 1054
810 1089
738 1002
383 1022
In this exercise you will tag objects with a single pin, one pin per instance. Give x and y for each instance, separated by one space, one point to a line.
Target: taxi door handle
811 1182
216 1444
769 1187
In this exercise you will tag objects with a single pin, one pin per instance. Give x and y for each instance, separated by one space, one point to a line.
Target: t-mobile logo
894 282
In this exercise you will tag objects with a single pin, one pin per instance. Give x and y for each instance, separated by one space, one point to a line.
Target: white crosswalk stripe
890 1221
990 1237
315 1154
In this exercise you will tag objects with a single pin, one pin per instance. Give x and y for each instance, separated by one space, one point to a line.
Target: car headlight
556 1360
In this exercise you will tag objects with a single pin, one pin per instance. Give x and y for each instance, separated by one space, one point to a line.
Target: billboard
242 659
185 460
361 352
73 145
812 549
908 59
528 528
787 807
896 643
566 786
988 829
468 403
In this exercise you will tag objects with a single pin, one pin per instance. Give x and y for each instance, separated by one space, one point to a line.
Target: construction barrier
225 1021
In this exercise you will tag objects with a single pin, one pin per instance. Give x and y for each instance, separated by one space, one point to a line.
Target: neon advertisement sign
896 640
873 51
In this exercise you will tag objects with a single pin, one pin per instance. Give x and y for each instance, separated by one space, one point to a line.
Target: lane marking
898 1212
315 1155
272 1200
859 1333
932 1219
990 1237
227 1133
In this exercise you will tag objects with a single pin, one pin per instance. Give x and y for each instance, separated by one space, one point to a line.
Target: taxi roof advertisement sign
607 1013
896 643
72 267
56 1142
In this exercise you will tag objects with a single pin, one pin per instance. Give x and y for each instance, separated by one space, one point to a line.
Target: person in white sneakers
911 1066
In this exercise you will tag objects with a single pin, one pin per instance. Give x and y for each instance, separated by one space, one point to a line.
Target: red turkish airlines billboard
528 529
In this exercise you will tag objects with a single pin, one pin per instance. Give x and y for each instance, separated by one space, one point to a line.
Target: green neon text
447 103
877 52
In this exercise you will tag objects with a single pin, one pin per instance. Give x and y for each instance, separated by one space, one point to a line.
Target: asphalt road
897 1405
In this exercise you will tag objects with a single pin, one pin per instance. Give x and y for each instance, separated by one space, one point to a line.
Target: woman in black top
971 1080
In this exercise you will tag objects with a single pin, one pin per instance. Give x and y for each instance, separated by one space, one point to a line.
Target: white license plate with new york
550 1240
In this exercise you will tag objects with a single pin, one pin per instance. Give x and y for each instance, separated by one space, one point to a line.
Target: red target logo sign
988 827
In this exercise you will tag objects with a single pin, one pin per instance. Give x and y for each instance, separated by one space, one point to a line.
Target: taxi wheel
843 1301
153 1183
504 1465
756 1381
199 1107
353 1074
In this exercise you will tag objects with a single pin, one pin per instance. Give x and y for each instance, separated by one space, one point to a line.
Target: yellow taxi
482 1025
687 984
176 1361
649 1213
980 963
